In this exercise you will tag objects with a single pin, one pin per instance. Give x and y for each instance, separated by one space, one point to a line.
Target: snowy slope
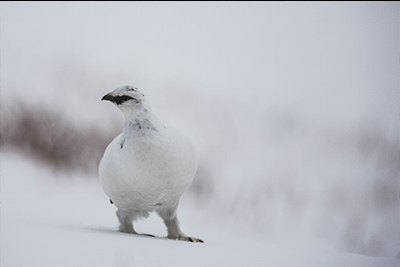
51 220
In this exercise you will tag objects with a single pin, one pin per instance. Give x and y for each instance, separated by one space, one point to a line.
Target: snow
58 219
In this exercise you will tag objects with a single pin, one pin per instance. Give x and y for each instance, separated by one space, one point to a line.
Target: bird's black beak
108 97
118 99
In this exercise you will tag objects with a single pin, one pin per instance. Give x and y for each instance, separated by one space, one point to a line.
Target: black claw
149 235
111 201
190 239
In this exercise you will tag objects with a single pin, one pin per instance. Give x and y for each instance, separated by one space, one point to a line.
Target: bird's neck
142 121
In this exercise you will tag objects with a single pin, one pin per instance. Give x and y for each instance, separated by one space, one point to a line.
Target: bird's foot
188 238
127 229
132 231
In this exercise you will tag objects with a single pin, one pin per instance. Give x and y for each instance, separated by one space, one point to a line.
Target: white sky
334 62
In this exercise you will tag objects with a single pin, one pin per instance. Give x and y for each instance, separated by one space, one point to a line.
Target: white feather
148 166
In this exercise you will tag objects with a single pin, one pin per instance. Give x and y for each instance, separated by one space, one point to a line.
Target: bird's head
135 107
126 97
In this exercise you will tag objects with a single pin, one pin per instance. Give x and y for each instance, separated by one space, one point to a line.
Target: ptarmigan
147 167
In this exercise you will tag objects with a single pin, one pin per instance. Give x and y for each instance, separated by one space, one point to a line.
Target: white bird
147 167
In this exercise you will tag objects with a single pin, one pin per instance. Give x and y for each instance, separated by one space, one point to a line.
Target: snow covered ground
68 221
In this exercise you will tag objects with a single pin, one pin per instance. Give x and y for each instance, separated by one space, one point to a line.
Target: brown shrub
52 139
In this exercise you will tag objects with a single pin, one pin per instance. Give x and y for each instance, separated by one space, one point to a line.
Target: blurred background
293 107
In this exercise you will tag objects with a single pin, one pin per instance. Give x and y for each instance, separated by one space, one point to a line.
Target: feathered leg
125 220
169 215
125 217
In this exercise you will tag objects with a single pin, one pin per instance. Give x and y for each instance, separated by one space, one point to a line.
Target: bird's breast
147 170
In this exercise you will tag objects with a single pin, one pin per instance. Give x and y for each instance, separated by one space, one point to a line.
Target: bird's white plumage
148 166
147 171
